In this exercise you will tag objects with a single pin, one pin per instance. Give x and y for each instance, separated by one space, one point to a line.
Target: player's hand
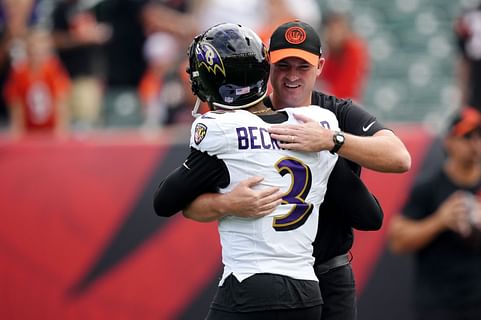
308 136
245 201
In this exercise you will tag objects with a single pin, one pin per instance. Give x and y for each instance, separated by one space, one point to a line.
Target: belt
336 262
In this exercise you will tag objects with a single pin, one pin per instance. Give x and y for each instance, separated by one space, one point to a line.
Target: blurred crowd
87 64
68 65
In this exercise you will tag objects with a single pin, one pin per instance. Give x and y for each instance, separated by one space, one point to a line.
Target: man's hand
454 213
475 217
308 136
383 151
244 201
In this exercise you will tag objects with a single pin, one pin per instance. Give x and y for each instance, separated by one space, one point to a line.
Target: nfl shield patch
200 132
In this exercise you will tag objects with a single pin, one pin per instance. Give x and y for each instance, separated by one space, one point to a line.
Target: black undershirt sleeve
351 198
199 174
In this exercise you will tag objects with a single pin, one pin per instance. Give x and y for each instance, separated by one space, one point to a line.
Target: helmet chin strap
195 112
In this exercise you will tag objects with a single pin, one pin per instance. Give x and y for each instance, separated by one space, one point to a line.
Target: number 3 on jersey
299 189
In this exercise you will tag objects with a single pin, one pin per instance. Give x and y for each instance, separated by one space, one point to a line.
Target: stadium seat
122 108
412 52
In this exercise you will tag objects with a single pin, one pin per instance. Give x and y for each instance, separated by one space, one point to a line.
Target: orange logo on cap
295 35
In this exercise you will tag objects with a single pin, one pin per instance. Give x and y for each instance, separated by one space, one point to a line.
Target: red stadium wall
79 240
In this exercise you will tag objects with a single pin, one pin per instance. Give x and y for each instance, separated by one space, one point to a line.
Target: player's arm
242 201
200 173
351 197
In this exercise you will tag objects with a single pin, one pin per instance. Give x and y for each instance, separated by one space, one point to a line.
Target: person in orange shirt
37 88
347 60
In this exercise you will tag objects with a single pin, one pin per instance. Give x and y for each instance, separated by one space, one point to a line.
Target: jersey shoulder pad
206 134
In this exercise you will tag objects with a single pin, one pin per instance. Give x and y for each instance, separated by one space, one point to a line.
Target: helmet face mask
228 67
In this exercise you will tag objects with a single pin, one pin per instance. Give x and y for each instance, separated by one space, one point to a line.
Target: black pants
339 293
266 296
312 313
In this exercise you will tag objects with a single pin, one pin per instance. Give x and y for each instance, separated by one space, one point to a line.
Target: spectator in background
347 61
15 18
124 55
250 13
161 51
441 224
132 22
277 13
263 16
468 33
78 38
37 88
171 16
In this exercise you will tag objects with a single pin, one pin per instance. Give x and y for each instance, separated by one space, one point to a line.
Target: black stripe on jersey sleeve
200 173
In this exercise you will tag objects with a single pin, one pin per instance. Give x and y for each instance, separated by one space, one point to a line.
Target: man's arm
383 151
193 187
409 235
349 195
243 201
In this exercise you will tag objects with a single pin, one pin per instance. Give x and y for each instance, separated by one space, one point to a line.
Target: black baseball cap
295 39
464 122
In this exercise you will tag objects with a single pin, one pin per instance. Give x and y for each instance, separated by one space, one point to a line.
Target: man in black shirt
363 140
441 225
268 261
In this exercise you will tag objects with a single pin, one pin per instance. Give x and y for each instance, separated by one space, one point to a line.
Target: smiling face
293 80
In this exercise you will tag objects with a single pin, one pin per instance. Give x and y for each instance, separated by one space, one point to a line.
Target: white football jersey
281 242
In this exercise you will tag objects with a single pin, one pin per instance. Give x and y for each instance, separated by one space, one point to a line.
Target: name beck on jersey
255 138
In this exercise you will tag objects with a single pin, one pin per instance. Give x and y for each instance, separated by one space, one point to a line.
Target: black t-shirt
335 235
448 270
124 50
81 60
